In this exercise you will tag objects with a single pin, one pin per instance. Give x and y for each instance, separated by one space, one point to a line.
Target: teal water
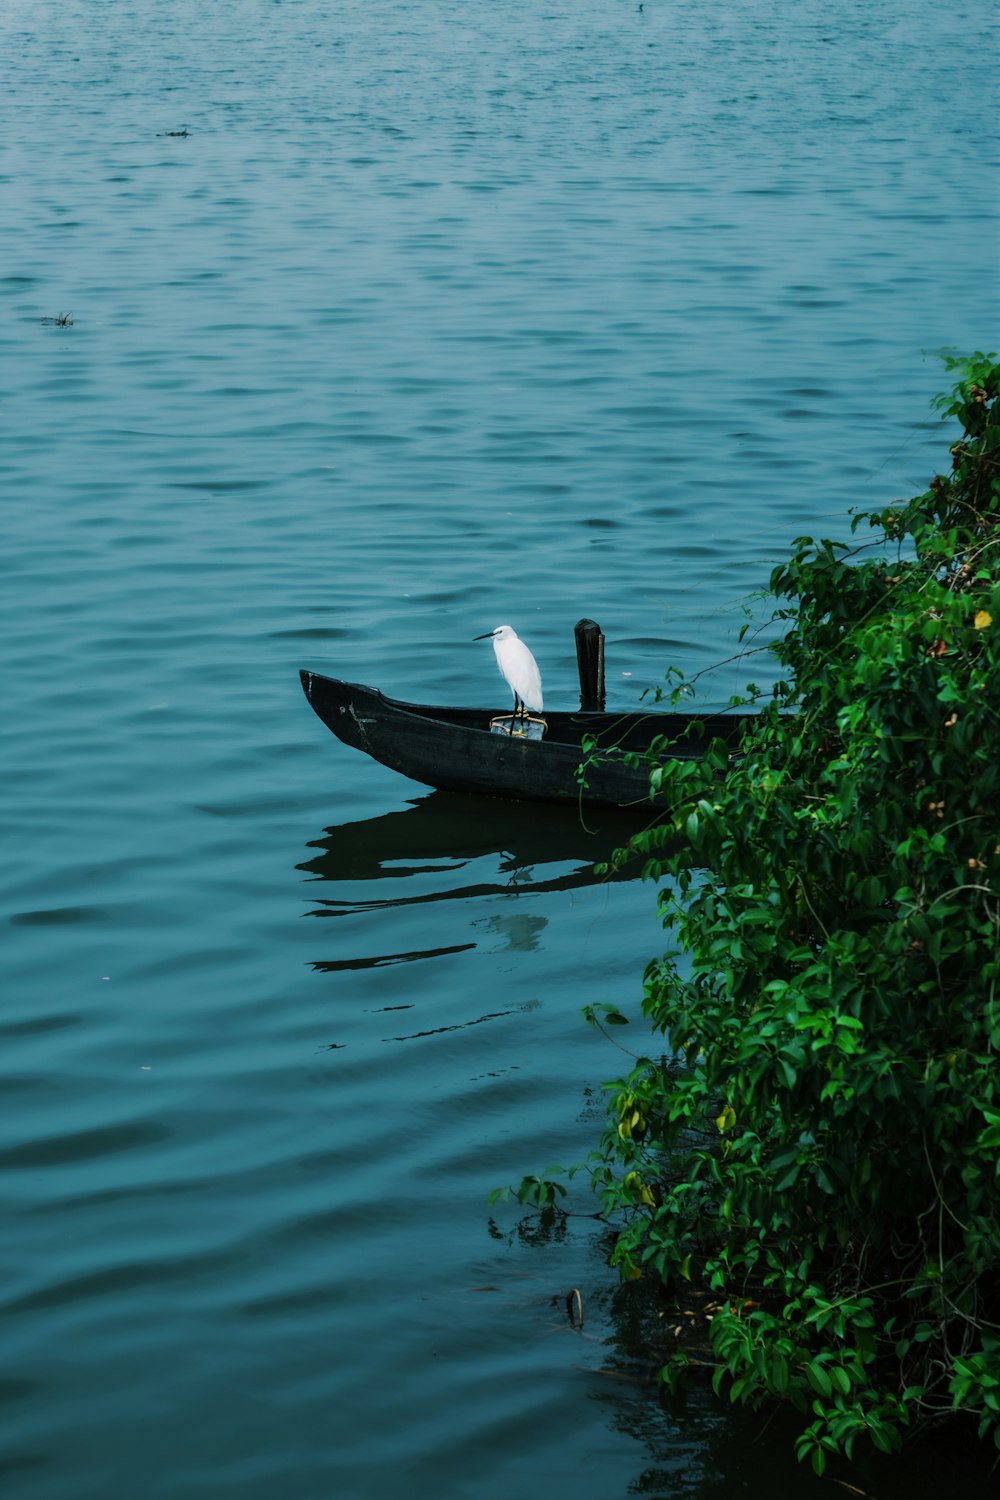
391 322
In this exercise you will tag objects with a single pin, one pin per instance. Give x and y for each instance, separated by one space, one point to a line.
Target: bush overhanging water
819 1148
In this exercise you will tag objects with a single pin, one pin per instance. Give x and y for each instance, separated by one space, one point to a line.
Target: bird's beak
487 637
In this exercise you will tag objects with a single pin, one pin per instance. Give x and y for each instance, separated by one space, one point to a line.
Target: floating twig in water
64 320
179 135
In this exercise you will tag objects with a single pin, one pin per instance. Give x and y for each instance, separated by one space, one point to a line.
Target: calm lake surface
391 322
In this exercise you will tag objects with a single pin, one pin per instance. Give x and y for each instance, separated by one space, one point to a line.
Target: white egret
518 668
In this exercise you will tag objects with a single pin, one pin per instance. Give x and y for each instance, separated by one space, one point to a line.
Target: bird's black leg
517 705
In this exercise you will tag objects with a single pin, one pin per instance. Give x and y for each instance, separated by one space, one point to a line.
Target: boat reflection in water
449 847
443 882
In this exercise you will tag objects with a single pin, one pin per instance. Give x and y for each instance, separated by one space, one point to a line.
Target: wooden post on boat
590 663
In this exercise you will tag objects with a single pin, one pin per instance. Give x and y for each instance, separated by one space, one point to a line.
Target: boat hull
453 749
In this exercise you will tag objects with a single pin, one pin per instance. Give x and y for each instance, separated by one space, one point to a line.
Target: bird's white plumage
518 667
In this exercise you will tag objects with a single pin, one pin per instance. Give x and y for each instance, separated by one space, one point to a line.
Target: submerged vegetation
816 1154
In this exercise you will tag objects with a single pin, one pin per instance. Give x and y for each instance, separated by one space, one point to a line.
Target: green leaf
818 1379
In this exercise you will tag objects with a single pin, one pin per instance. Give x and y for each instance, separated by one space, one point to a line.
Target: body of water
333 335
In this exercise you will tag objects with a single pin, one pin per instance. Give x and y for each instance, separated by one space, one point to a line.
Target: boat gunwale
457 717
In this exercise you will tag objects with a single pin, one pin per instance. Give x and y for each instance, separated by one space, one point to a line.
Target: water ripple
436 316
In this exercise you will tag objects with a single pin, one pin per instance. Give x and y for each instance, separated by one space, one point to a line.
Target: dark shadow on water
698 1445
381 960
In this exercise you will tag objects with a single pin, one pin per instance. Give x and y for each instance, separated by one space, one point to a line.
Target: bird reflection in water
519 931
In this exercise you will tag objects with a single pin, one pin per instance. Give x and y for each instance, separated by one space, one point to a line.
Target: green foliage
534 1192
820 1146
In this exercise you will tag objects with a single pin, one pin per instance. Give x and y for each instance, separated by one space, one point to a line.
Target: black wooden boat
455 749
